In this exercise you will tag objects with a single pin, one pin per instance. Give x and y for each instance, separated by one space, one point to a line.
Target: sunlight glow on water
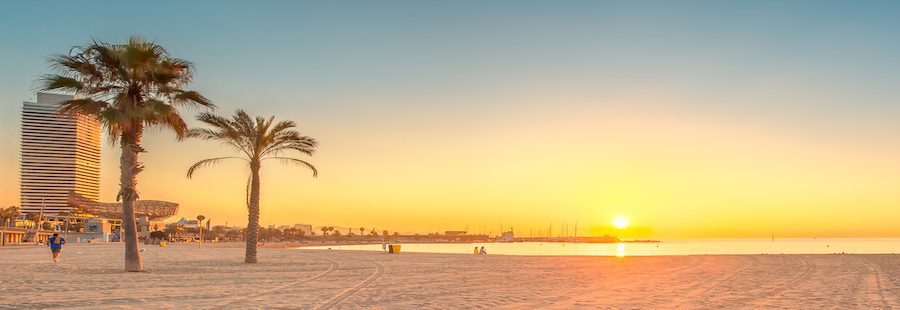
667 247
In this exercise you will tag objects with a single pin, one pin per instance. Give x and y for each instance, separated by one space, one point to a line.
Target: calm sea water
666 247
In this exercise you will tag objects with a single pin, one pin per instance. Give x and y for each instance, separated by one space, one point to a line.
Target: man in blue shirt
56 242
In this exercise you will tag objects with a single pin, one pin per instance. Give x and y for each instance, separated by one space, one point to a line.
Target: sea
664 247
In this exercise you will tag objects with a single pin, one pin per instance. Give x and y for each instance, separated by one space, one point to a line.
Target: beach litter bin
394 248
163 244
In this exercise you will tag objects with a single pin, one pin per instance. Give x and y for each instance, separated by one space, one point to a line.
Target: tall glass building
59 154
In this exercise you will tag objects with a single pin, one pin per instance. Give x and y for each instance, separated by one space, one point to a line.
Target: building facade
192 224
306 228
59 154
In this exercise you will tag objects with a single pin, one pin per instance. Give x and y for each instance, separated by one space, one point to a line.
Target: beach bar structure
107 217
102 221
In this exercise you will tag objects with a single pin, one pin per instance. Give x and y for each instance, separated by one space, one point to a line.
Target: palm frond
63 83
137 79
187 97
288 160
247 194
207 162
82 106
223 131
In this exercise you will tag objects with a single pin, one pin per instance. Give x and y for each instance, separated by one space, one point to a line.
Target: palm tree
324 230
127 87
256 140
9 215
361 230
12 213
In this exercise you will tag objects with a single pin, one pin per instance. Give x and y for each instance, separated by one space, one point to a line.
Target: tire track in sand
702 294
879 290
735 274
337 299
222 304
768 292
810 267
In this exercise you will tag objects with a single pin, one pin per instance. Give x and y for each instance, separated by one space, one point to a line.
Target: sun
620 222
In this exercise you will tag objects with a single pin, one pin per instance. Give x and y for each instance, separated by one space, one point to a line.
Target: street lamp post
200 219
37 229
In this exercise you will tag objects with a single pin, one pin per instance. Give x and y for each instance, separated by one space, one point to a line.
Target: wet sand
183 275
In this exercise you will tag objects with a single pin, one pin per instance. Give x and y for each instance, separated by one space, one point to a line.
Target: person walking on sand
56 242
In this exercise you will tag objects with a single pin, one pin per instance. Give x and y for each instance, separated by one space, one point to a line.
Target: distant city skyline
690 119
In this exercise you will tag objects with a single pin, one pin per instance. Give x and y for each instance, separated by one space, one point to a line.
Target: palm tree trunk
130 167
252 214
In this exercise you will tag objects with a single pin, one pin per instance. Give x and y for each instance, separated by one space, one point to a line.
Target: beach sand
183 275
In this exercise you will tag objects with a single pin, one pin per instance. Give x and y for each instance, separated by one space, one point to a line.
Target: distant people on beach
56 242
475 251
482 252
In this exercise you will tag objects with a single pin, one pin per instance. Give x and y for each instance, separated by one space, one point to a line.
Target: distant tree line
177 231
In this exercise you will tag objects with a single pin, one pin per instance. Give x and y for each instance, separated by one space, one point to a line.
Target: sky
690 118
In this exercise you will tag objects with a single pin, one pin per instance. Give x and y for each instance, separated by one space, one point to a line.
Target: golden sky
737 119
672 174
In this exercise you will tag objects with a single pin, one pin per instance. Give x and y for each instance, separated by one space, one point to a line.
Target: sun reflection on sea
620 250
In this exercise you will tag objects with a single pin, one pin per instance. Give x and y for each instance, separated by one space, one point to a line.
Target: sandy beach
183 275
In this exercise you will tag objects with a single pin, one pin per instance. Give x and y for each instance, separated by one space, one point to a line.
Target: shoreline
318 247
607 256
